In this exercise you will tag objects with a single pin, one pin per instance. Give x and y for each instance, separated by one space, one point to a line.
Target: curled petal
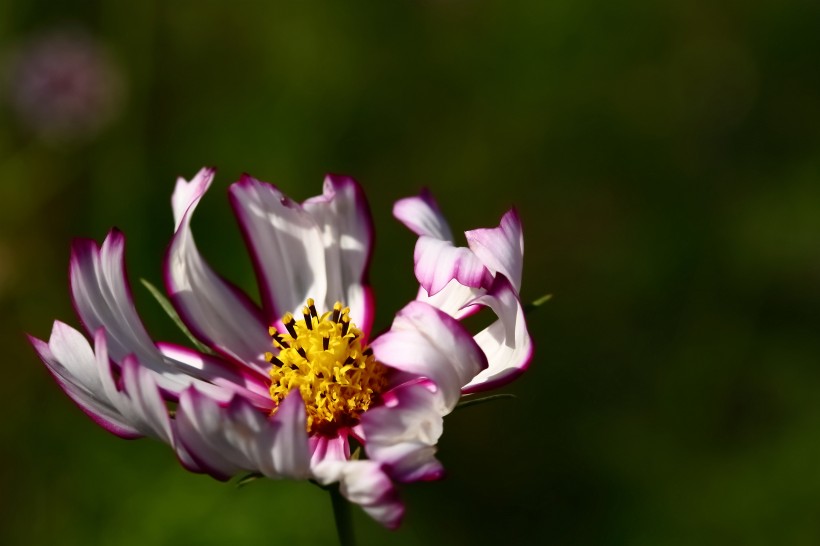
346 226
135 395
83 387
364 483
453 299
404 431
141 401
129 407
213 309
422 216
75 357
209 370
425 342
227 440
325 448
506 342
501 249
438 262
102 296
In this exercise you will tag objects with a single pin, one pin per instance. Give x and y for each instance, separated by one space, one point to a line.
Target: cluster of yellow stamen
324 358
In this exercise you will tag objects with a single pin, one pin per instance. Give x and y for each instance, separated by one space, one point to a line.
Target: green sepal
169 309
477 401
535 304
244 479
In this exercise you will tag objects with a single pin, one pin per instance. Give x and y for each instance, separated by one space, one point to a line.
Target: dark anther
345 327
367 352
276 362
281 341
291 329
350 360
308 320
325 343
336 314
302 352
312 309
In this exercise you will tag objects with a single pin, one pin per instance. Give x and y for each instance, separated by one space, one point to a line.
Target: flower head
64 85
286 387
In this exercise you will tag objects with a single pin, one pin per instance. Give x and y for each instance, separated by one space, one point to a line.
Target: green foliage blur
664 157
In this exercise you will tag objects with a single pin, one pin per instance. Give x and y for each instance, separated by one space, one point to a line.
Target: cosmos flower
296 387
64 85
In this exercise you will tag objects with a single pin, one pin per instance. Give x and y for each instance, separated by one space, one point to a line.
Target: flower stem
341 514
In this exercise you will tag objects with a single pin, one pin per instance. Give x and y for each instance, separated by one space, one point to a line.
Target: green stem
341 514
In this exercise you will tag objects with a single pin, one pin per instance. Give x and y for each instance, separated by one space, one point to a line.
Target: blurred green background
665 159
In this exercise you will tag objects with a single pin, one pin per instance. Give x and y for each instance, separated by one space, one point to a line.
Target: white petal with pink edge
102 298
137 397
75 373
506 342
286 245
212 371
403 432
422 216
213 309
501 249
437 262
453 299
364 483
226 440
343 218
130 409
425 342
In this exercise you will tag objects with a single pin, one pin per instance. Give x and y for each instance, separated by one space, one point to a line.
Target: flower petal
437 262
324 448
501 249
212 308
422 216
425 342
506 342
231 379
199 427
74 354
141 402
102 296
138 398
132 410
344 219
226 440
289 456
364 483
84 387
403 432
286 245
453 299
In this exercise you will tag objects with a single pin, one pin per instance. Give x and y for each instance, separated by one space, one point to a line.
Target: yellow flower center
324 358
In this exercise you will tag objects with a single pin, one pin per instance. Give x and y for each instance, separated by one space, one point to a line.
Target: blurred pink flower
292 408
64 85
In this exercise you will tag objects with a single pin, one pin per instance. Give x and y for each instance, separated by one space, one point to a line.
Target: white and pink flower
286 388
